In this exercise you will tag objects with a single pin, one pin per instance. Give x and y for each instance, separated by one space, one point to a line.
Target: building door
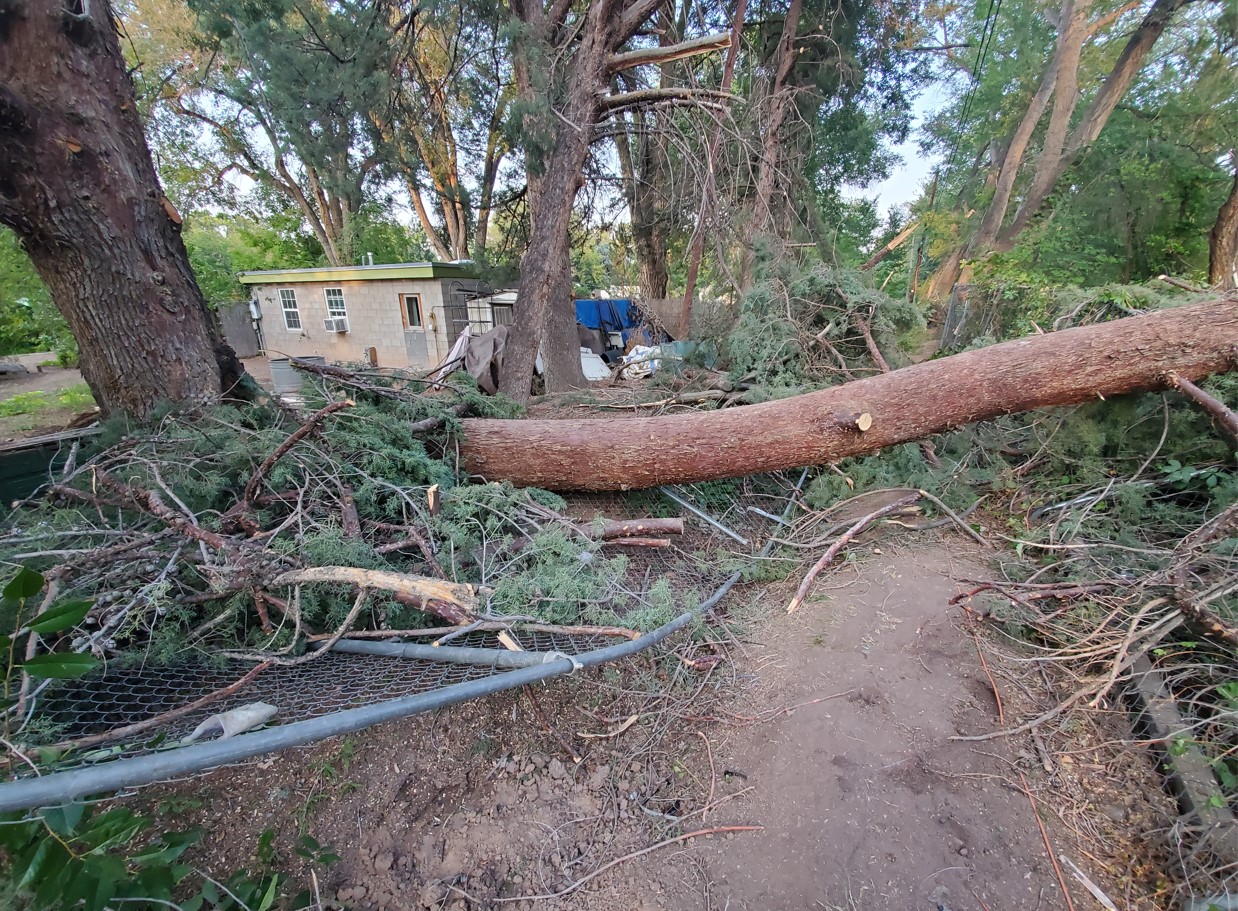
414 330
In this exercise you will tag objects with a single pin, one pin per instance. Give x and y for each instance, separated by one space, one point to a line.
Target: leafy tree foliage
28 319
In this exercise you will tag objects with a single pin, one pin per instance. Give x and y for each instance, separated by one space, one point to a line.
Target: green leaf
110 871
269 898
172 846
26 584
57 873
60 666
63 819
34 869
60 617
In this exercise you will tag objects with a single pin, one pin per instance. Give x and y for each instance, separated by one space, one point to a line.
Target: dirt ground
828 729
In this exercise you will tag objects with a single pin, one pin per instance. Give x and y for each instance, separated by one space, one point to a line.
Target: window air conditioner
336 324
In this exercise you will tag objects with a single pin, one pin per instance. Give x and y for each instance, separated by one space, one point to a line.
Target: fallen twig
1061 880
984 664
1075 697
251 489
362 597
163 718
608 734
549 728
712 775
963 526
489 626
806 586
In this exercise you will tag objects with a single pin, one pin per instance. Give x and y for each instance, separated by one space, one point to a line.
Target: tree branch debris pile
257 534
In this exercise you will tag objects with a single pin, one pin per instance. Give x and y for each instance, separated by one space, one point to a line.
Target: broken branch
251 489
833 550
1225 418
670 53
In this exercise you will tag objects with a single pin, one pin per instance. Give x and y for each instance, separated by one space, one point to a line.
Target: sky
915 170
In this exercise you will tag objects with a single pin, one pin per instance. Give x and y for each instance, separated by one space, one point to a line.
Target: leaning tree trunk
1223 241
544 304
1060 368
760 218
78 187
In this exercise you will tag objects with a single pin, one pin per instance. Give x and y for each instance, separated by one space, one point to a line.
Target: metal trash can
287 380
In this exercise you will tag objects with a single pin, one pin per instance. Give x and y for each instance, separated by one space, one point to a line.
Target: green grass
76 397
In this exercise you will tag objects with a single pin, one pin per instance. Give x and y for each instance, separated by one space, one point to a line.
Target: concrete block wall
374 320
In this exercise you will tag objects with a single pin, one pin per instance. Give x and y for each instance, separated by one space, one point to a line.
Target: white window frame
287 296
421 317
335 309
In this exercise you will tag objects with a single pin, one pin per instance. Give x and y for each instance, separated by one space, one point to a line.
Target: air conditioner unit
336 324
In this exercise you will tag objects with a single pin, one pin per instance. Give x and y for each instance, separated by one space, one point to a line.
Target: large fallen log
1060 368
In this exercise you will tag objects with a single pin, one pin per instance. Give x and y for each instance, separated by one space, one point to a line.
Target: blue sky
915 170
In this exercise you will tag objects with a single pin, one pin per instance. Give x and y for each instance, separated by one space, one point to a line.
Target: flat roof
359 273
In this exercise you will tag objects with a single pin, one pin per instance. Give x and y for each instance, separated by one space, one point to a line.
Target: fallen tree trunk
1060 368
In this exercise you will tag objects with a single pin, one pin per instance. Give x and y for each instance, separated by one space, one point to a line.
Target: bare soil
830 729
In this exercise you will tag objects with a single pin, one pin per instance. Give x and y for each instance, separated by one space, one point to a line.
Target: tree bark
545 312
644 184
1012 160
706 211
1051 167
78 187
1060 368
1223 241
761 216
1065 99
544 302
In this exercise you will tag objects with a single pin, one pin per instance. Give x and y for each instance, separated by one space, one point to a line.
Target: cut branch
640 528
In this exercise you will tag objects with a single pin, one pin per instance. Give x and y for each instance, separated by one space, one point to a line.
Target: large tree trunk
545 311
1223 241
1060 368
761 216
644 185
78 187
1060 81
1050 168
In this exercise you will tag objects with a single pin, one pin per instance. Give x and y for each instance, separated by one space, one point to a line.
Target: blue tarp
613 315
607 315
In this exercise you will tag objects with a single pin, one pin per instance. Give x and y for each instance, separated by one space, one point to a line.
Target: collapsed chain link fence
126 726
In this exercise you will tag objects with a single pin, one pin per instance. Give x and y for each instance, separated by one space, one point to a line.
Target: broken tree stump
1060 368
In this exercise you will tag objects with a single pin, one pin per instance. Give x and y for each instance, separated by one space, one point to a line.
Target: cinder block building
402 314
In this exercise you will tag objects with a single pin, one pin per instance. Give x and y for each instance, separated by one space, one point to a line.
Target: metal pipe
449 654
704 516
58 787
712 601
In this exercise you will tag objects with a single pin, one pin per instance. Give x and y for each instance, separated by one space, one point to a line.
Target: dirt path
865 800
